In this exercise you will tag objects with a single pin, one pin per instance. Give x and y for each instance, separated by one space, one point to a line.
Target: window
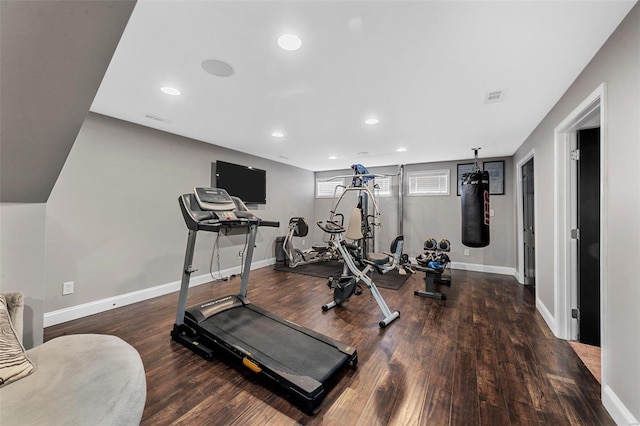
431 182
383 187
327 189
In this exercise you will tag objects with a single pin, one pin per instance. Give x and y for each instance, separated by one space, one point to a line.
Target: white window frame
417 192
385 184
328 183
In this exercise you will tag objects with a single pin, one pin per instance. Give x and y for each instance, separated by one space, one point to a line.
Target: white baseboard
95 307
502 270
621 415
547 316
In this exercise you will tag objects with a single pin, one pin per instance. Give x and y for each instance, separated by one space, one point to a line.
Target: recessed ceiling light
289 42
277 134
371 121
401 149
333 157
170 90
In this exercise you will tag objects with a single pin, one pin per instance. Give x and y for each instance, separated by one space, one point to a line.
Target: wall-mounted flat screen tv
245 182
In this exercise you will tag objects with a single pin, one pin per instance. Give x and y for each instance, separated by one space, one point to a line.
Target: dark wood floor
483 357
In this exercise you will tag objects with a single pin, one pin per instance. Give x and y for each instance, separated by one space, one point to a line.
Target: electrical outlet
303 241
466 252
67 288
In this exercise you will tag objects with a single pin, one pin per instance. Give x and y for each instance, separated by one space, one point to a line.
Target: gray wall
53 55
437 216
113 221
617 64
22 262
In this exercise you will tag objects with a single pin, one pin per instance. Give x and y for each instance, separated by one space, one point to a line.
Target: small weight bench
432 278
433 263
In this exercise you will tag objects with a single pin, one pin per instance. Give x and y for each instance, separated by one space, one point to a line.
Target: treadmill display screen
215 199
213 195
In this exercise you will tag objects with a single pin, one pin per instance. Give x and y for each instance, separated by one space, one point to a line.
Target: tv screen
247 183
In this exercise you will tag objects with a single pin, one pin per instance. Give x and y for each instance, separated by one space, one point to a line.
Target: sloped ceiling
53 56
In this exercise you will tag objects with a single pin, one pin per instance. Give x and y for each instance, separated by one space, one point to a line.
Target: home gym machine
361 182
299 360
434 262
298 227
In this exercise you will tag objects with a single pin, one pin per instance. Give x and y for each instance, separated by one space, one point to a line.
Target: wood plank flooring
482 357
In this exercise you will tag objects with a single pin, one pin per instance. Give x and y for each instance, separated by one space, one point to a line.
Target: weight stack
475 209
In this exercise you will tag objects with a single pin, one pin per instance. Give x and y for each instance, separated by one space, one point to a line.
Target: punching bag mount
475 156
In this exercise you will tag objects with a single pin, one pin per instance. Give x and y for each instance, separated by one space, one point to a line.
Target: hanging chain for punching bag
475 206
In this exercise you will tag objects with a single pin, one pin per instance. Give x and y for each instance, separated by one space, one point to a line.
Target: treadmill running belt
294 351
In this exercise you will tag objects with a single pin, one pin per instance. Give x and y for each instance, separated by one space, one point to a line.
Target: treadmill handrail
198 219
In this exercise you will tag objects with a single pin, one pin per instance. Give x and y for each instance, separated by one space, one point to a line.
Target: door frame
520 218
565 271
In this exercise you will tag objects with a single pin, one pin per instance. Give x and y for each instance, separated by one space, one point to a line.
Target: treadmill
299 360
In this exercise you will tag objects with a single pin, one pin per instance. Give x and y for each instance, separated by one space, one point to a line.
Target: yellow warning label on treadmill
251 365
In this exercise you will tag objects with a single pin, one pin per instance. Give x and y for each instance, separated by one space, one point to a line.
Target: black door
528 224
589 236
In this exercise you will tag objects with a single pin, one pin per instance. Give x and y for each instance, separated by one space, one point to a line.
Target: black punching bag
475 209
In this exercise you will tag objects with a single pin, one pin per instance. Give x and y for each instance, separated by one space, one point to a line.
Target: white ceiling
423 68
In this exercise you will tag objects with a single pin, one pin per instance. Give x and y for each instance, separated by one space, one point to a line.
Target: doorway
587 235
528 226
525 222
591 113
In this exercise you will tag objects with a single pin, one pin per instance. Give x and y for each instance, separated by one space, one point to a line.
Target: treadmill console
216 200
214 210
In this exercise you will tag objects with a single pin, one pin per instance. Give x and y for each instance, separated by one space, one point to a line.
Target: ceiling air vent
156 118
493 97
